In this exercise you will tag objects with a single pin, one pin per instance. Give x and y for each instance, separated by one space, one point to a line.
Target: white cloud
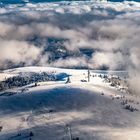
17 52
111 29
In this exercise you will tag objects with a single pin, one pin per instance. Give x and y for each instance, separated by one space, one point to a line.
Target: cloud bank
110 30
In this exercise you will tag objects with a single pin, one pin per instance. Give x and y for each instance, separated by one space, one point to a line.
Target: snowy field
68 109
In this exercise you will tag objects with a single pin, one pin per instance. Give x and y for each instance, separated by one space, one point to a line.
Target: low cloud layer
111 30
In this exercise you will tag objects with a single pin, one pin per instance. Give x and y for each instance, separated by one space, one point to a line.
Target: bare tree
68 128
88 75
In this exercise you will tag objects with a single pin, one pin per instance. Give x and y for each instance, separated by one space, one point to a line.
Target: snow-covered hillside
61 109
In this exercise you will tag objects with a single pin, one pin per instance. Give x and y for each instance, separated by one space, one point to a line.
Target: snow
5 75
92 110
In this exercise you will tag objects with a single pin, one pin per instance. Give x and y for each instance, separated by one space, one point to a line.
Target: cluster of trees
114 81
19 81
129 107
